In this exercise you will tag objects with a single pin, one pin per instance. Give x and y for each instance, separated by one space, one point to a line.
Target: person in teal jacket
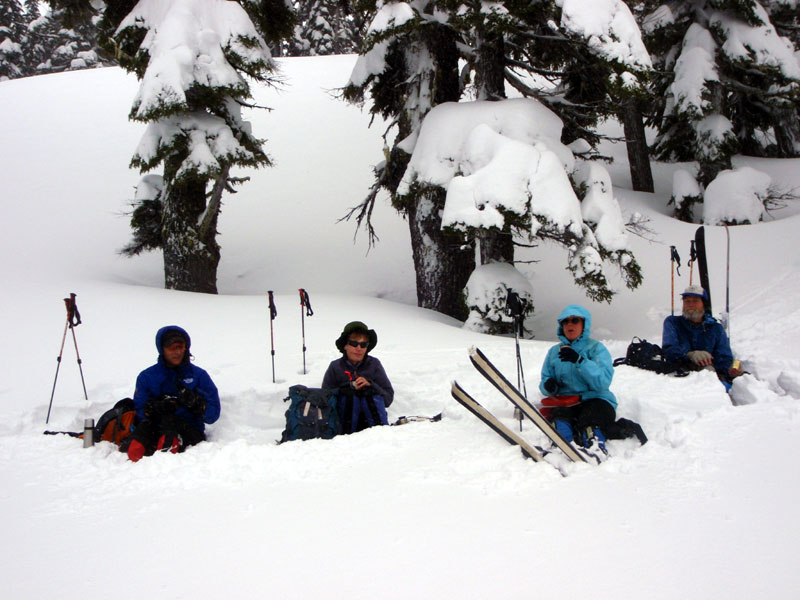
580 366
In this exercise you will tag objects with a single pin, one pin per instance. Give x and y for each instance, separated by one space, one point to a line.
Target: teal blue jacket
591 376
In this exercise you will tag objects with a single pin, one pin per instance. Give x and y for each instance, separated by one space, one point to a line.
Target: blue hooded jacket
680 335
591 376
160 380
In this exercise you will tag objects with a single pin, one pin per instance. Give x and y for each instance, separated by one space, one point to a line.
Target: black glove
550 386
160 407
568 354
191 401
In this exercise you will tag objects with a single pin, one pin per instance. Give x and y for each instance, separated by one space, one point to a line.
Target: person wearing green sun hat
365 391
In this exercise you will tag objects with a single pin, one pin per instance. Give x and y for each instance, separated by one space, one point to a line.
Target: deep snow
427 510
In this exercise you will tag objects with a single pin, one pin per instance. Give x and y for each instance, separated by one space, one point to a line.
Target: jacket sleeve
723 356
142 394
382 384
208 390
671 343
547 372
331 377
597 368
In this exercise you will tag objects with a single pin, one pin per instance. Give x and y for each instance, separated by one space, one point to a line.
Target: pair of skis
496 378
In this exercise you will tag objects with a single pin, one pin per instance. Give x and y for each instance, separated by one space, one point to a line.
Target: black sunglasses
571 320
356 344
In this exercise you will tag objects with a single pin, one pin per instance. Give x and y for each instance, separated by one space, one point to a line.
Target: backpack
311 414
644 355
117 423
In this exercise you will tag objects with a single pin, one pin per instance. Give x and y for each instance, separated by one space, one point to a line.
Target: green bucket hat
357 327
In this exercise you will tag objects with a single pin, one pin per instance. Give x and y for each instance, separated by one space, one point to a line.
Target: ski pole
515 307
727 322
305 302
273 312
73 320
692 258
674 259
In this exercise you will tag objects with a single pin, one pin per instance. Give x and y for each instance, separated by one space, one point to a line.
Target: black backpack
645 355
311 414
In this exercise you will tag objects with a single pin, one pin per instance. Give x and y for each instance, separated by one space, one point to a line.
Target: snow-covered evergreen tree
192 57
55 45
321 29
727 80
411 57
12 33
409 64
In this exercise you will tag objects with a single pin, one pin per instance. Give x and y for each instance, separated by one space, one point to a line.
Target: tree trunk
638 155
787 132
497 246
442 262
490 66
190 258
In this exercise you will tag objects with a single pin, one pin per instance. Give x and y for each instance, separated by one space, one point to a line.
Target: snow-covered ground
427 510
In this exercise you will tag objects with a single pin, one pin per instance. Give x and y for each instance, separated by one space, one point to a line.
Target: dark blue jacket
160 380
341 371
588 378
681 335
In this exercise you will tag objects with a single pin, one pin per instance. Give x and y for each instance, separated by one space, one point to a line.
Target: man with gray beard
696 341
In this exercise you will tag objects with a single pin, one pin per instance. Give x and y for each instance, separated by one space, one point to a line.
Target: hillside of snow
426 510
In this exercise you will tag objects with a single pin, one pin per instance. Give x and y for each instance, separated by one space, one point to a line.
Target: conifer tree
192 91
57 43
321 29
409 64
402 68
726 80
12 32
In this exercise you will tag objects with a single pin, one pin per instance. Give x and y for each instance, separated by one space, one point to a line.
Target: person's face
572 327
356 353
693 308
173 354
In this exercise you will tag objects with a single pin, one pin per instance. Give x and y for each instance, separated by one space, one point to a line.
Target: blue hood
160 336
574 310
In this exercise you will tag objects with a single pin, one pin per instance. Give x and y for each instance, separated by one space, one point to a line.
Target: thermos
88 433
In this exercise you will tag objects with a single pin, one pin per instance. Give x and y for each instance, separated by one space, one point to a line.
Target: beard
693 315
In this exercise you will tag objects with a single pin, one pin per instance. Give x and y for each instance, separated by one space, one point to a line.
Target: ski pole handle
73 315
273 312
305 302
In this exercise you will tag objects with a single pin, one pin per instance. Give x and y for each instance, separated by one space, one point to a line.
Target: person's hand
191 401
550 386
361 382
161 406
701 358
734 372
568 354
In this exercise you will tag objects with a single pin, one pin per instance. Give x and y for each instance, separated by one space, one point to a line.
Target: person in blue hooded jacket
695 340
174 399
580 366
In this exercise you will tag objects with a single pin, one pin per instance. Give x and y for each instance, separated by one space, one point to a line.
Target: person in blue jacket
174 399
365 391
580 366
695 340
